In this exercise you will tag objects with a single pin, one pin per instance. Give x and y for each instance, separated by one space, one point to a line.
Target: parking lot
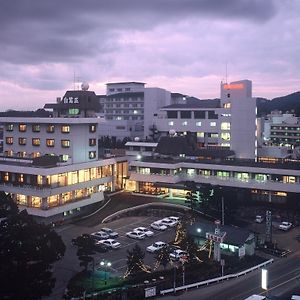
118 257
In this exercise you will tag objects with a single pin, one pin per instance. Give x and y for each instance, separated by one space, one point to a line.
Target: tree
135 261
205 195
7 206
163 257
27 253
191 195
86 246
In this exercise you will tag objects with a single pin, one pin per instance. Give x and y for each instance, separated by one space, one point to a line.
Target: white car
259 219
168 222
156 247
285 226
175 219
100 235
177 254
110 232
136 235
158 226
111 243
144 230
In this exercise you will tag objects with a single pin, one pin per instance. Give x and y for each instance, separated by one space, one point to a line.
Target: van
256 297
259 219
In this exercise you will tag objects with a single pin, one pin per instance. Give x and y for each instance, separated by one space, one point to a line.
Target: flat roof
126 82
48 120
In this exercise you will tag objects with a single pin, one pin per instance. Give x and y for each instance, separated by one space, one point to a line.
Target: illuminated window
35 154
22 141
74 111
171 123
22 154
9 140
92 142
50 128
92 128
225 144
9 153
200 134
36 128
225 136
65 128
50 142
6 176
198 124
64 157
9 127
22 127
225 126
227 105
65 143
214 135
36 142
92 154
184 123
135 112
21 178
213 124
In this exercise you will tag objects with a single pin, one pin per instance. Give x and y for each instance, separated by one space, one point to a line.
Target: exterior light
102 263
139 156
109 264
198 230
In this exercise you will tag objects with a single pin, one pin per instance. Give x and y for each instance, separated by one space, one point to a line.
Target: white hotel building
51 165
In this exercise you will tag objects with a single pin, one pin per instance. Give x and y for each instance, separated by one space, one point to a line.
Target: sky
181 45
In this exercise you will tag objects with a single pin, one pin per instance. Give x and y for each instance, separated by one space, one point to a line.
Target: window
36 128
9 140
199 114
50 142
50 128
225 136
64 157
171 123
225 126
92 154
185 115
172 114
65 143
9 127
212 114
135 112
227 105
184 123
36 142
200 134
65 128
213 124
127 89
198 124
92 142
9 153
22 141
111 90
22 127
92 128
119 89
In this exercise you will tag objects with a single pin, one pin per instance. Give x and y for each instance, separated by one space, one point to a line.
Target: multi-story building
51 165
228 122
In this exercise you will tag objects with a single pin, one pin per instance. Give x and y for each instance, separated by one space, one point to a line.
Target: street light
105 265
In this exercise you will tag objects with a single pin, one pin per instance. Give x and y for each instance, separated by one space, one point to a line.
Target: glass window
200 134
36 128
9 140
92 154
199 114
171 123
212 114
92 142
36 142
172 114
9 127
225 126
22 127
22 141
50 128
65 143
184 123
198 124
225 136
213 124
50 142
185 114
92 128
65 128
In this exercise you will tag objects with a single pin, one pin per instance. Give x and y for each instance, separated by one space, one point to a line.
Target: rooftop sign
233 86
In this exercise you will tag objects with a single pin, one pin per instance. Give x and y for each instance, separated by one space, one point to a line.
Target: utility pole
223 213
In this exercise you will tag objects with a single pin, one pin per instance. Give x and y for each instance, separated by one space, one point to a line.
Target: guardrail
207 282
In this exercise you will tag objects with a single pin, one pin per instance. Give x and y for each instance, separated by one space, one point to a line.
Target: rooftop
193 102
126 82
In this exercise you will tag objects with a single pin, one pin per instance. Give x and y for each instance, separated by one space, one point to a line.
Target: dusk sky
179 45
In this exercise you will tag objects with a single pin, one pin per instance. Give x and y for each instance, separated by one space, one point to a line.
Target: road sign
150 292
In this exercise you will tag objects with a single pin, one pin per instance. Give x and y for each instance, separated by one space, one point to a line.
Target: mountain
286 103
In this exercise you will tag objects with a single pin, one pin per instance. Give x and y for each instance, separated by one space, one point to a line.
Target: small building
238 241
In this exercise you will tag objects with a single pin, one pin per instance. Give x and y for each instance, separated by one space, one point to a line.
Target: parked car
158 226
100 235
156 246
110 232
178 254
175 219
168 222
100 247
111 243
74 241
259 219
144 230
285 226
136 235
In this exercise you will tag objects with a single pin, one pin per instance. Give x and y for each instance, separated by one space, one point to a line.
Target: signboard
233 86
71 100
242 251
150 292
264 279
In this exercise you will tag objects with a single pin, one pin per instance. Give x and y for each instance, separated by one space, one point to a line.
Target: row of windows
119 89
124 99
50 128
49 142
135 111
284 128
198 124
198 114
123 105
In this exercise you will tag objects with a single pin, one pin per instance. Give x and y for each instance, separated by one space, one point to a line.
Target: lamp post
106 265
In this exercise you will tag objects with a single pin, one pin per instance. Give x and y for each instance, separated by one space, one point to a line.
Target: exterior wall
123 87
79 136
237 96
154 98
